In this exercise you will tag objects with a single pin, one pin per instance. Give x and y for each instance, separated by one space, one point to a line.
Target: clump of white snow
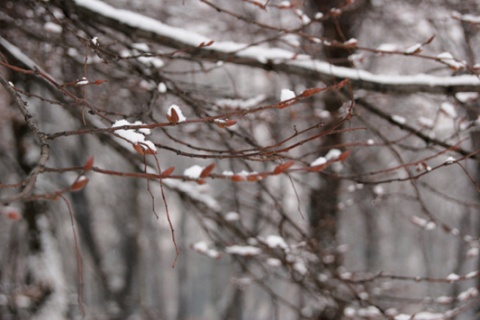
134 136
243 250
286 94
449 60
193 172
274 241
177 109
318 161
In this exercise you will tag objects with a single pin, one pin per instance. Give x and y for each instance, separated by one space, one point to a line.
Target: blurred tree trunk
324 199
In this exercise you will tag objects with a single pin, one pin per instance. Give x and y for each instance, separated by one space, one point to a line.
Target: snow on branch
268 58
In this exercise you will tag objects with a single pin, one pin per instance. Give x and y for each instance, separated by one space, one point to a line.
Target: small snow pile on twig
420 316
241 103
274 242
426 122
333 154
243 250
449 109
470 18
231 216
466 97
137 137
178 111
286 94
387 47
52 27
449 60
202 247
305 19
468 294
319 161
162 88
453 277
416 48
425 224
145 49
273 262
399 119
193 172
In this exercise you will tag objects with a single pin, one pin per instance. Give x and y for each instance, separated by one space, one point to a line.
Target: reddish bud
168 171
237 178
207 171
89 164
317 168
282 167
203 44
225 123
97 82
173 116
229 122
201 181
13 215
311 91
344 155
341 84
141 150
79 184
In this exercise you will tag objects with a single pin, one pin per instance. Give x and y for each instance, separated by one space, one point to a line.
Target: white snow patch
387 47
273 262
449 109
300 267
274 241
52 27
162 87
241 103
450 159
467 294
449 60
318 161
243 250
132 135
193 172
466 97
426 122
378 190
177 109
232 216
194 192
473 252
453 277
333 154
287 94
414 49
399 119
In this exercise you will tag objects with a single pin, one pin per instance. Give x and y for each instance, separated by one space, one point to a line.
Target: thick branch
137 25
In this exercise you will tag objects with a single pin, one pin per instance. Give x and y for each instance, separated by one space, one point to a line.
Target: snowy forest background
239 159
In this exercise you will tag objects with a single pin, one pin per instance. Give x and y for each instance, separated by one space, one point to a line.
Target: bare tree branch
274 59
